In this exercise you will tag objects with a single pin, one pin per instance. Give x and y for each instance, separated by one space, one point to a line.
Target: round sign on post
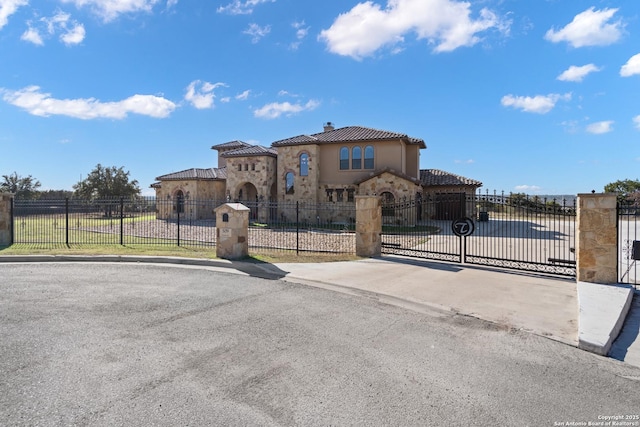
463 227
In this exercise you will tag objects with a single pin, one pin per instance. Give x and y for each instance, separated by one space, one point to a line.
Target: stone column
596 238
5 219
368 226
232 231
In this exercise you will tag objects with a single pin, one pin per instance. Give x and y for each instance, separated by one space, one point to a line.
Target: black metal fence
284 227
628 242
508 230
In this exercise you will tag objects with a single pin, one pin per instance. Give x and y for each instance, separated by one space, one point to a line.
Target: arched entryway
248 196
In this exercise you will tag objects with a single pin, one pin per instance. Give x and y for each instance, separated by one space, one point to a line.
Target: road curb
603 309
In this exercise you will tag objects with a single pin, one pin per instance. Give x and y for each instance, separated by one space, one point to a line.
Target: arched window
356 158
344 158
368 157
304 164
288 178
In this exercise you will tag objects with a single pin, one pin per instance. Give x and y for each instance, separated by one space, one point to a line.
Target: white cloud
8 8
589 28
539 104
446 24
42 104
32 35
109 10
257 32
238 7
71 32
467 162
243 96
577 74
276 109
301 33
200 94
632 66
636 121
600 127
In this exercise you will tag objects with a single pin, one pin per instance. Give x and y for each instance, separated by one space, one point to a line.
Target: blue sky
526 96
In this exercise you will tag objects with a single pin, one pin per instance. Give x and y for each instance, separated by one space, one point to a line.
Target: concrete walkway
585 315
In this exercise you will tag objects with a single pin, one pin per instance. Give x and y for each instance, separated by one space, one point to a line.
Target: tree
22 187
107 183
627 189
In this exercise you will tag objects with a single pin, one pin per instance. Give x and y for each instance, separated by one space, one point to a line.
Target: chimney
328 127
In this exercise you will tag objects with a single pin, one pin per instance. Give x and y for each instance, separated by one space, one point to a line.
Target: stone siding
597 247
197 192
5 219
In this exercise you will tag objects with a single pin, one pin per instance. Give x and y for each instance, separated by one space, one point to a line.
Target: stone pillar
596 238
5 219
232 231
368 226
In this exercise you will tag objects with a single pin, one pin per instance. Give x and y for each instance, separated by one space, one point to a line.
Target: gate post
5 219
596 238
368 226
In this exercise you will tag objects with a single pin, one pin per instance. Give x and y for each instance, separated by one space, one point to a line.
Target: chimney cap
328 126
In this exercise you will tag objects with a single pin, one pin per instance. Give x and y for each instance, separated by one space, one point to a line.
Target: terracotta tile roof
436 177
195 173
231 145
251 150
348 134
391 171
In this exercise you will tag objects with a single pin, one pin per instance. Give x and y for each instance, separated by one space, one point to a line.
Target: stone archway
247 194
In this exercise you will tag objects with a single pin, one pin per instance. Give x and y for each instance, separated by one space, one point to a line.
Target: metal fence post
12 219
178 210
66 221
121 221
297 227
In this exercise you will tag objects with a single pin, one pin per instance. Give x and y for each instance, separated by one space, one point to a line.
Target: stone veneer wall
260 172
199 190
596 239
368 226
5 219
232 231
400 188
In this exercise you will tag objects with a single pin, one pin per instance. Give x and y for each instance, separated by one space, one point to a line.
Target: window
356 158
288 178
330 195
253 166
246 166
368 157
344 158
340 195
304 164
350 194
240 168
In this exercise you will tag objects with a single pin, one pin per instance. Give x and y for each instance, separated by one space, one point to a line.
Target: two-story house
332 166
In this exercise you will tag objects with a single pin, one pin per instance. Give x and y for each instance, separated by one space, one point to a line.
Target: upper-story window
356 158
368 157
288 179
344 158
304 164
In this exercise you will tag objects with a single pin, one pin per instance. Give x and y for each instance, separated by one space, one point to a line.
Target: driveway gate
508 231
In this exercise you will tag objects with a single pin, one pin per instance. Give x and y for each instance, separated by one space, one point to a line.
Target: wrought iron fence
281 227
524 232
509 230
628 242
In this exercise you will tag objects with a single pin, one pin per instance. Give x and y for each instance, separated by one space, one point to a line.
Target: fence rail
274 227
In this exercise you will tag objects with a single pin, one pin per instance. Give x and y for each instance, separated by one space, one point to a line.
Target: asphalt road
137 345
